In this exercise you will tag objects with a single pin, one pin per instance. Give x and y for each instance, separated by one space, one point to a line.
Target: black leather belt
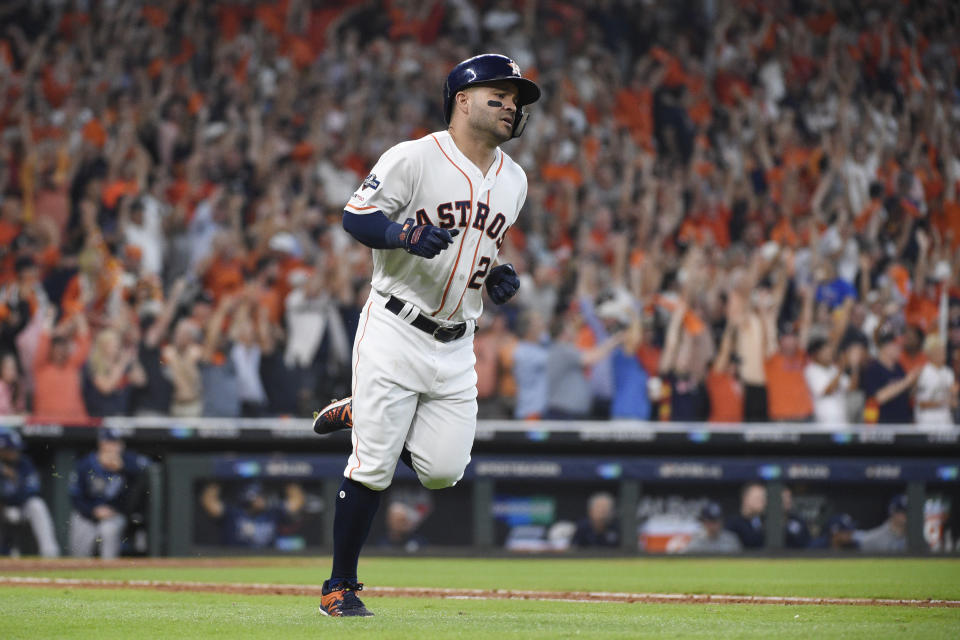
443 333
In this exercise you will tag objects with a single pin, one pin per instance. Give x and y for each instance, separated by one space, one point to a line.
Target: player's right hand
425 240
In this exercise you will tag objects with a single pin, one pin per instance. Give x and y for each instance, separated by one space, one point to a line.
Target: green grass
861 577
37 613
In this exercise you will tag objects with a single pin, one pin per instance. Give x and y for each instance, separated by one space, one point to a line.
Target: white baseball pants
34 511
84 535
410 389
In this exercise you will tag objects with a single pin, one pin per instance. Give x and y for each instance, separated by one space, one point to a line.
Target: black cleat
333 417
343 601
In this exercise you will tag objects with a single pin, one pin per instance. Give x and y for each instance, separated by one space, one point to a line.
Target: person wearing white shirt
828 384
143 227
859 170
936 390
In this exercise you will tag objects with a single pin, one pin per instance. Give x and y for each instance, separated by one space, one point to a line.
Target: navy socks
356 507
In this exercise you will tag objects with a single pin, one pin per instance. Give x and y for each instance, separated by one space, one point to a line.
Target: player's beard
486 122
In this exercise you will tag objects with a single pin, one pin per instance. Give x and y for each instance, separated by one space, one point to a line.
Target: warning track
462 594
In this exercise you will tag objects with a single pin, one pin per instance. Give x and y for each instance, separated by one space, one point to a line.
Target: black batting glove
425 240
502 283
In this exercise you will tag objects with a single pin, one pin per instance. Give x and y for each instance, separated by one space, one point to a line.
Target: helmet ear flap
521 122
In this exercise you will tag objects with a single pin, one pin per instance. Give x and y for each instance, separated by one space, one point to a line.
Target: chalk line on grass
465 594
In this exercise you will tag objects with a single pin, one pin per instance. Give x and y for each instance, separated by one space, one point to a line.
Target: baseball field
486 598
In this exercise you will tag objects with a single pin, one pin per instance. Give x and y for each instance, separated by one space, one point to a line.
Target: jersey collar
485 181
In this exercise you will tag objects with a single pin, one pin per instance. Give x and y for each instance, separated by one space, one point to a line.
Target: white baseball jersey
935 384
431 181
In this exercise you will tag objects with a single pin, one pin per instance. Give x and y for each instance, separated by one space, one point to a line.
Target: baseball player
255 520
20 494
105 488
435 212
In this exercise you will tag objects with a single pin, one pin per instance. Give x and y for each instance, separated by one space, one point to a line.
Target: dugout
856 467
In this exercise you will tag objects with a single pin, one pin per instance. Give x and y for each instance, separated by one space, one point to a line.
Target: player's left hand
502 283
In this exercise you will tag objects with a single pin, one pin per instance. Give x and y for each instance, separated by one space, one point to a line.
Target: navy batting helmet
490 67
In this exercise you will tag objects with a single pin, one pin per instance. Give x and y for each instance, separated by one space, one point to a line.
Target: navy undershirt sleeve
373 229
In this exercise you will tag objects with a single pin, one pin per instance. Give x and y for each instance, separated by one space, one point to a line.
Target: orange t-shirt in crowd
271 301
788 397
863 218
486 347
949 220
911 362
8 231
58 392
223 277
783 233
649 357
726 397
115 190
634 110
922 311
562 173
507 385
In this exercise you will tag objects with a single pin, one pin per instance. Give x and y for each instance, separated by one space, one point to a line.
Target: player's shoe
333 417
343 601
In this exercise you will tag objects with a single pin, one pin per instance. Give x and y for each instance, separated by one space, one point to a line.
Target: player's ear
462 102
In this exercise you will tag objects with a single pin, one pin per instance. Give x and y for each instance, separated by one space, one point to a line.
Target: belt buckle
448 334
443 334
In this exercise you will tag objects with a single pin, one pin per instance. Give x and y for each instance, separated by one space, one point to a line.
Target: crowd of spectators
736 211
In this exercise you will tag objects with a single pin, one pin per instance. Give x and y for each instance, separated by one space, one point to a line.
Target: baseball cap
616 307
711 511
886 336
899 503
840 522
10 439
109 434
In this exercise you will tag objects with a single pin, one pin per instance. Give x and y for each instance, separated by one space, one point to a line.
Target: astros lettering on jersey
431 181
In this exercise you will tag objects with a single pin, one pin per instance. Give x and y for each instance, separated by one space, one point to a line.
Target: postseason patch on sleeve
360 196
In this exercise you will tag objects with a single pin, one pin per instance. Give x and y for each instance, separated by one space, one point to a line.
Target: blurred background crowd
738 211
